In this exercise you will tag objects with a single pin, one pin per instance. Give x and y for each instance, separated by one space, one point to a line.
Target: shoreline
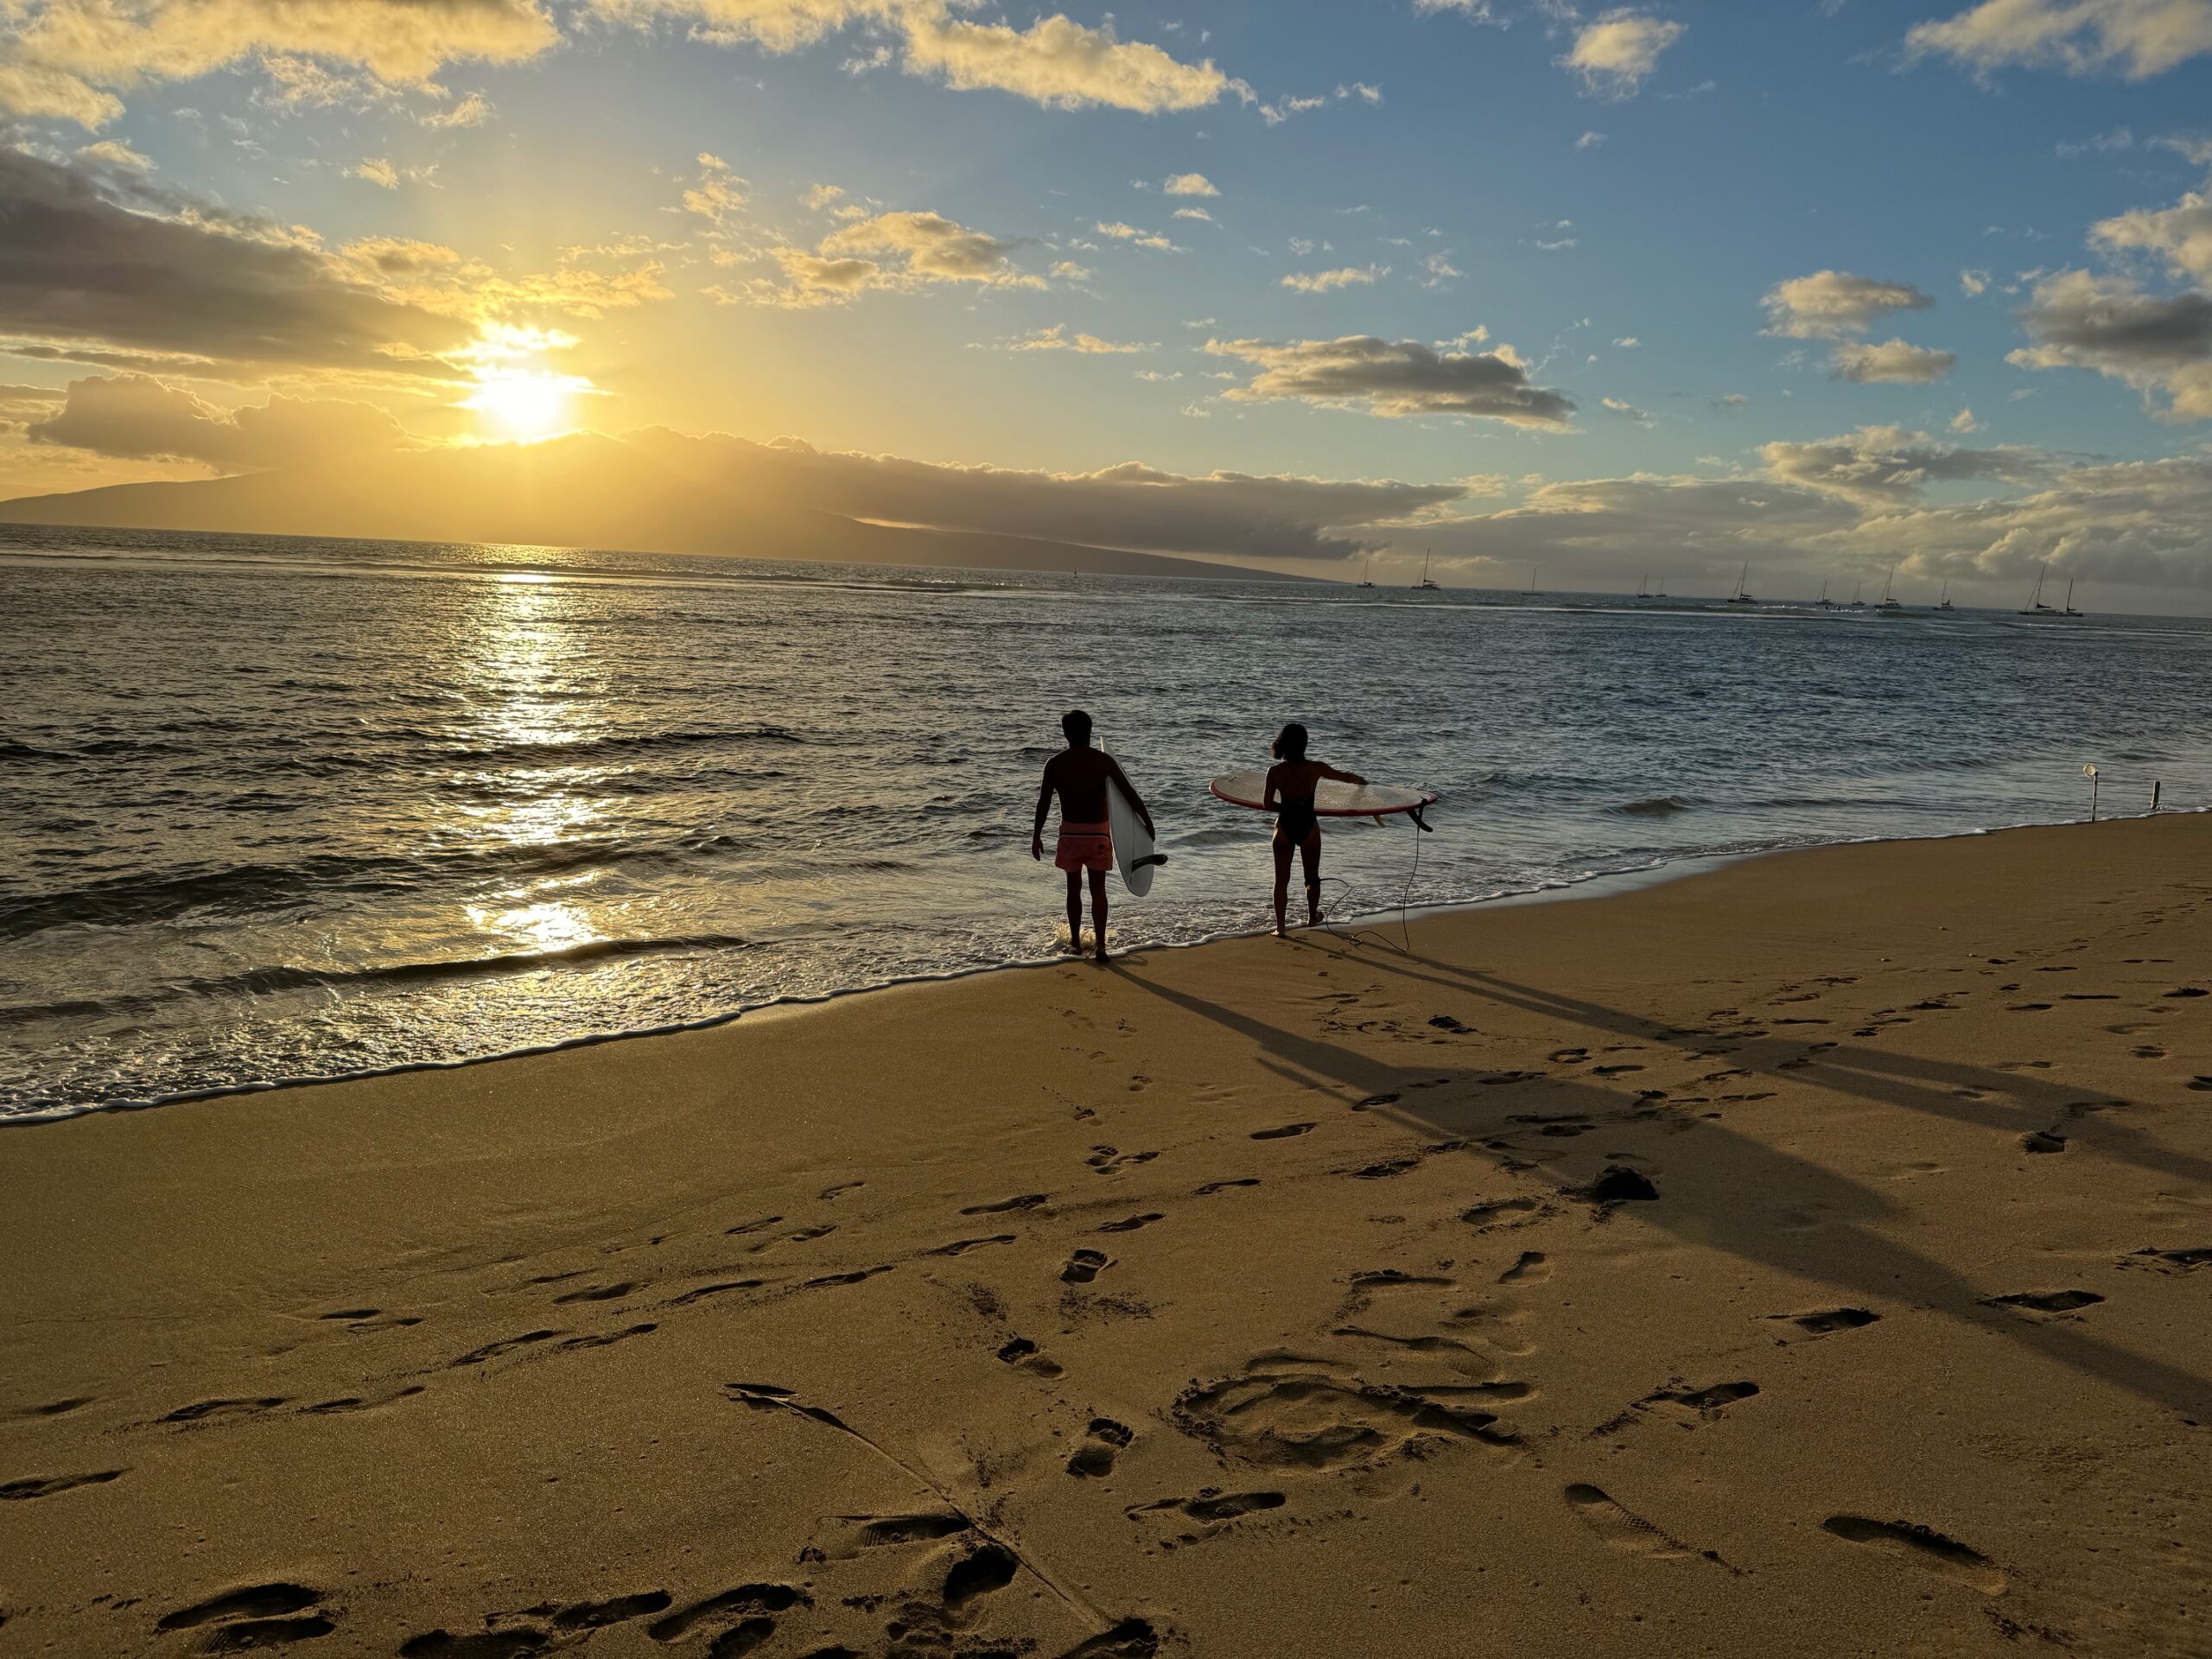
1596 885
1801 1256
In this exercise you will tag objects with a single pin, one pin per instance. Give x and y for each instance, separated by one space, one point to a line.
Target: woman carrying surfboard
1291 783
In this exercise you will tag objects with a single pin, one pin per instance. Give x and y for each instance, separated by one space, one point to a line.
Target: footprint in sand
1926 1549
1828 1320
2043 1140
1532 1269
978 1573
1282 1133
744 1608
598 1293
605 1338
962 1246
1102 1442
1106 1160
204 1411
1130 1224
744 1227
2045 1301
493 1350
254 1602
1502 1212
1027 1201
48 1485
1020 1352
1620 1528
1212 1187
1084 1267
720 1287
353 1403
615 1609
2203 1084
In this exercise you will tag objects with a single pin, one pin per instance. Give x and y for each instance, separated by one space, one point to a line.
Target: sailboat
1886 604
1740 597
2035 606
1944 603
1823 603
1531 592
1364 570
1857 603
2070 610
1425 585
1644 587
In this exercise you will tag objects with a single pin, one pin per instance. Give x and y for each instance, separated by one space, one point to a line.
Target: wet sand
1811 1256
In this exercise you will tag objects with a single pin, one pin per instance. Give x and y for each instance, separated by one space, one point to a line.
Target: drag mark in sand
1288 1411
1925 1548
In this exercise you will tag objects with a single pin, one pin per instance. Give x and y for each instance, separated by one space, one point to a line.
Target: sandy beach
1809 1257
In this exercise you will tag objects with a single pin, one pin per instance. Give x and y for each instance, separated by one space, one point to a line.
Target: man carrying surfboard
1080 776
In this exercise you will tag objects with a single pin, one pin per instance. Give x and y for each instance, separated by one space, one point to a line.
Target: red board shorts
1085 846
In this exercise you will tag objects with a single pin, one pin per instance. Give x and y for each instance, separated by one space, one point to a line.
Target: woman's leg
1312 850
1283 851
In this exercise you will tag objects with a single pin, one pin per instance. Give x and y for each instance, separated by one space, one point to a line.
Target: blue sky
1499 199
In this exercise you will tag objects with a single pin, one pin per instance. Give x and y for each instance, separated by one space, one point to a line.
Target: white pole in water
2090 773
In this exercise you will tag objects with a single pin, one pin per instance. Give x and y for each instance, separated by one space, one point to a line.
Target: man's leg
1099 909
1075 912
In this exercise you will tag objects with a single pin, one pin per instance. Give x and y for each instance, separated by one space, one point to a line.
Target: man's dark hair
1075 725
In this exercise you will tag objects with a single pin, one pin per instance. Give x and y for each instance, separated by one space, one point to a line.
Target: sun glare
517 394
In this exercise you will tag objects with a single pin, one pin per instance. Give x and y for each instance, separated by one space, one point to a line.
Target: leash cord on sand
1405 899
766 1396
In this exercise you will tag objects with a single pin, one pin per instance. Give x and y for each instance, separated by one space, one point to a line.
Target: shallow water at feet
287 808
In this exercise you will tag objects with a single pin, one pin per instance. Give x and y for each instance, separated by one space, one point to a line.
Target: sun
515 393
522 403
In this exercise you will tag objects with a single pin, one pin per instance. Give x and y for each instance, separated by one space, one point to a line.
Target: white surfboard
1134 854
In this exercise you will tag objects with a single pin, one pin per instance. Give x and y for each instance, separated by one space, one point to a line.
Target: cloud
1614 55
135 417
1324 281
1393 379
902 251
1132 506
1055 61
68 59
2078 320
1831 303
2196 152
472 112
1439 270
1973 284
1629 343
1589 141
1964 422
1194 212
2180 236
2137 38
1881 466
91 263
377 171
1120 232
112 152
1057 338
1190 184
1891 360
719 195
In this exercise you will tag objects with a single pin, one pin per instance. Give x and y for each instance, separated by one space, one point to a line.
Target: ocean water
284 808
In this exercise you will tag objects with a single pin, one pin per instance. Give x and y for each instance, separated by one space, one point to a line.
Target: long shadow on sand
1730 1191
